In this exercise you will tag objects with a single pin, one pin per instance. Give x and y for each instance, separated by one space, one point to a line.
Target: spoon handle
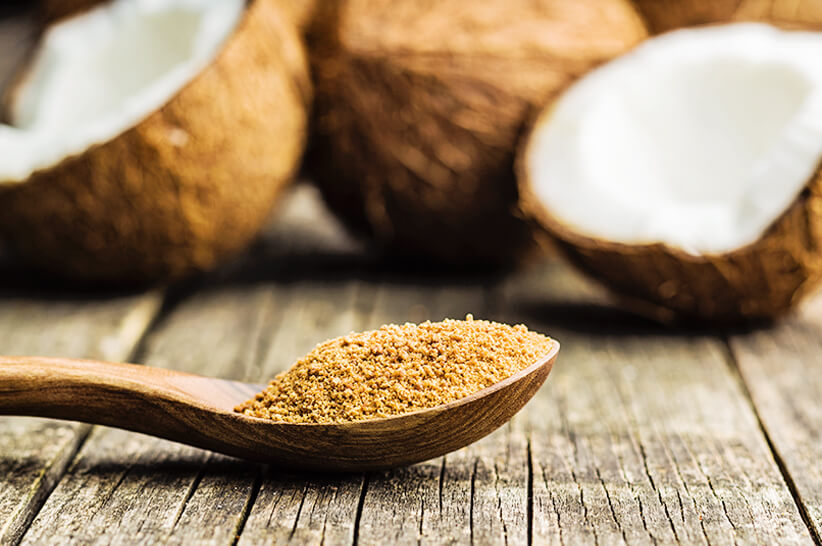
178 406
104 393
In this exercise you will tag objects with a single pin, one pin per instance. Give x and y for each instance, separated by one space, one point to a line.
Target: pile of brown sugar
397 369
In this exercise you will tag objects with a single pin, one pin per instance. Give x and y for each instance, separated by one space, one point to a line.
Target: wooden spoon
199 411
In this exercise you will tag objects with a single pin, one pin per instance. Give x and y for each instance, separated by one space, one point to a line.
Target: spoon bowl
199 411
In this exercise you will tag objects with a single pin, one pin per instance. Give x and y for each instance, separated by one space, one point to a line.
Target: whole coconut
419 105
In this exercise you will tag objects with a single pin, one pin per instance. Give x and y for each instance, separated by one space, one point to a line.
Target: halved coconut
685 174
664 15
150 139
420 105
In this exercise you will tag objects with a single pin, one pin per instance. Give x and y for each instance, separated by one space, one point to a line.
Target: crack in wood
441 482
685 487
20 520
733 363
299 511
681 506
633 431
530 495
642 515
422 520
554 506
611 505
706 476
189 493
499 503
249 503
358 515
471 506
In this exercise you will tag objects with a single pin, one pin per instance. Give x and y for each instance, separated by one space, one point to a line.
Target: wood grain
246 322
478 493
35 452
782 370
124 487
304 509
643 435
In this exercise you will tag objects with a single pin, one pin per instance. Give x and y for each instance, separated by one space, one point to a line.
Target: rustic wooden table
641 434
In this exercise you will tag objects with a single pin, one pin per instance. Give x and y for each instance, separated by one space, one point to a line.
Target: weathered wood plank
293 507
304 510
312 303
642 435
501 484
35 452
782 370
431 502
125 487
320 509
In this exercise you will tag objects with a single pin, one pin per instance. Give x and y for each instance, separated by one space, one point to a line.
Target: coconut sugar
397 369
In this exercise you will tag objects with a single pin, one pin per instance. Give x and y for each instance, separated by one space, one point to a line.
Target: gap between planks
52 325
734 364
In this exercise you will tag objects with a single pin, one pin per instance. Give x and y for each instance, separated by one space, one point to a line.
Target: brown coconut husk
665 15
420 105
190 184
757 283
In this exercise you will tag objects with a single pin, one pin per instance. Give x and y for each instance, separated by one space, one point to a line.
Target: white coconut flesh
698 139
100 73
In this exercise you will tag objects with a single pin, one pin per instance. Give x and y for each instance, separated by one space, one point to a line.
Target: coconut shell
186 187
664 15
759 282
420 105
302 11
50 11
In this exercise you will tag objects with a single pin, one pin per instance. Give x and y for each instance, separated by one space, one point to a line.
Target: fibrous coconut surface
665 15
420 105
150 139
685 174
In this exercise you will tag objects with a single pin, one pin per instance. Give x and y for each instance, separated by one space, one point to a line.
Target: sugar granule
397 369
